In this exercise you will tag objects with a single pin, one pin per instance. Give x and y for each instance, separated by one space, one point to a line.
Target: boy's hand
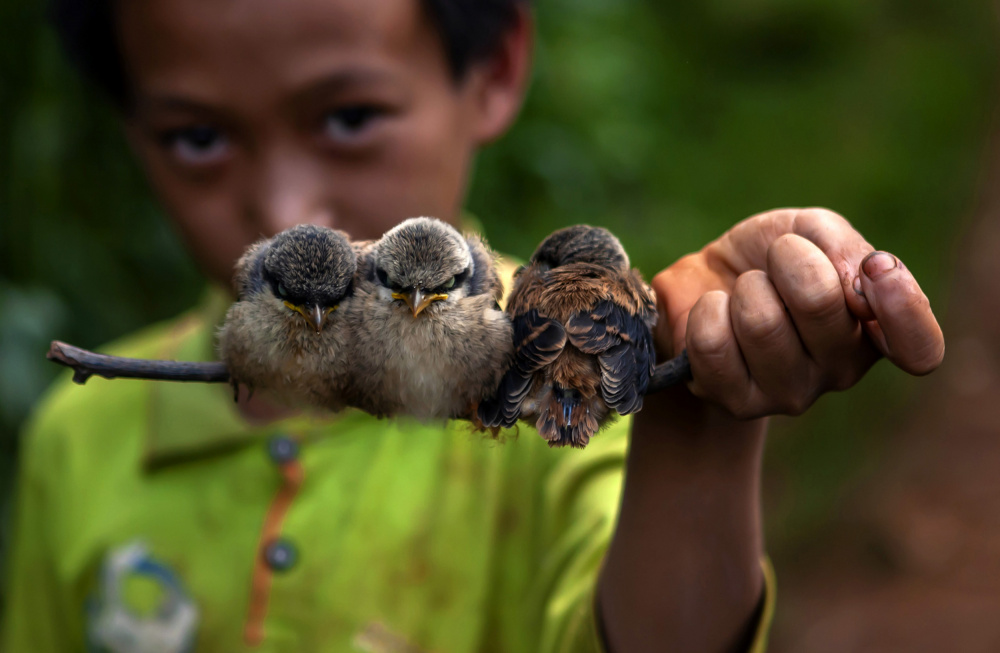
783 307
788 305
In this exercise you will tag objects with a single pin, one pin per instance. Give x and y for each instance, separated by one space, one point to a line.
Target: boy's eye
197 145
348 124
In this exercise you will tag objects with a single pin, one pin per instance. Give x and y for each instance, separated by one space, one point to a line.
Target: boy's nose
279 215
287 194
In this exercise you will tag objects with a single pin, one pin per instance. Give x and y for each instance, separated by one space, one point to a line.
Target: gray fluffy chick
430 339
285 333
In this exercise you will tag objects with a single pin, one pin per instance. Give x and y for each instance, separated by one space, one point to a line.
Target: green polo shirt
153 517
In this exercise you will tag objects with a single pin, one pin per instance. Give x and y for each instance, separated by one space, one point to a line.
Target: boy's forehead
191 43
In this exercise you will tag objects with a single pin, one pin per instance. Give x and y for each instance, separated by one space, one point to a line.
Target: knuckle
756 314
708 340
808 284
749 280
745 409
761 324
785 254
743 401
739 412
819 217
798 402
662 280
785 244
819 300
841 379
708 324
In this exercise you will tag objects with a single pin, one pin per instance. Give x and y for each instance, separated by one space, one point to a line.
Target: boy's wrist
683 568
694 428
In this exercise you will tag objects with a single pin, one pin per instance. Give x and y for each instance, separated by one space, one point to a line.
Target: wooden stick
674 371
86 364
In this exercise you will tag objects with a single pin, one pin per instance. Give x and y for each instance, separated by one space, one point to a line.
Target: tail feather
566 419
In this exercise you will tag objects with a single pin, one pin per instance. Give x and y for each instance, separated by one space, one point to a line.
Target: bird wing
538 341
619 332
248 276
485 277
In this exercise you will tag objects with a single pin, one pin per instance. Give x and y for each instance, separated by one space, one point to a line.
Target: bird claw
235 384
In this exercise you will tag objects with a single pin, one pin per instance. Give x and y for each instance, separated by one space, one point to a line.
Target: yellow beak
313 314
418 299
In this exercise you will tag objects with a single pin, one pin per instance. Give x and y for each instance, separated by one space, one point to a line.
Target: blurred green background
667 122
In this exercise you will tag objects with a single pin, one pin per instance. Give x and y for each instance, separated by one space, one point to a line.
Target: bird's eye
449 284
383 277
282 292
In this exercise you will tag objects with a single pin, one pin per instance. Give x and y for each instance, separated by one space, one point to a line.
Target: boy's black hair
470 30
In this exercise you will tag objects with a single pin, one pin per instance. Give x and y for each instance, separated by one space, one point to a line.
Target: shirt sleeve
38 616
582 499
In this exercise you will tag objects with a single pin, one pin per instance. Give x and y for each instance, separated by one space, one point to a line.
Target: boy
160 517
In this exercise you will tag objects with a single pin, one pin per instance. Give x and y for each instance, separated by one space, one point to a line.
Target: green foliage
85 253
667 122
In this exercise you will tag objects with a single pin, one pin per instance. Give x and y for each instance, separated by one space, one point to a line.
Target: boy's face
253 115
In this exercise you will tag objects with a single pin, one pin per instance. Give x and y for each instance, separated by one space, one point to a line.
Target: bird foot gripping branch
311 296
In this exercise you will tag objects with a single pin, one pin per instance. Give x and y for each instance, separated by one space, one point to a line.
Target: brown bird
284 334
583 342
430 339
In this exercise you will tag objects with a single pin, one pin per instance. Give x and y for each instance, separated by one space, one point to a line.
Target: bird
583 345
285 333
429 337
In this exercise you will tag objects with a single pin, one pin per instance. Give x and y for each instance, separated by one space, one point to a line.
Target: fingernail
857 286
878 263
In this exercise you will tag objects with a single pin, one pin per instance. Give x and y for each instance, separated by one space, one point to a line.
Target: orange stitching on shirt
260 584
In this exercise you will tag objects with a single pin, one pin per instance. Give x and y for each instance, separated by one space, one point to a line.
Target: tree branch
86 364
674 371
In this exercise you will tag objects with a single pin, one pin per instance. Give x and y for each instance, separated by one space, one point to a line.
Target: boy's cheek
213 234
207 217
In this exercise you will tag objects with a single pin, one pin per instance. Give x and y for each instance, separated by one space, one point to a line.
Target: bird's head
309 269
582 244
422 261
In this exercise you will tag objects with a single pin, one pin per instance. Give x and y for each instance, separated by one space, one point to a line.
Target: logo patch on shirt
140 606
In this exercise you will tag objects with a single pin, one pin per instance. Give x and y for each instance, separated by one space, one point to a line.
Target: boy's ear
500 82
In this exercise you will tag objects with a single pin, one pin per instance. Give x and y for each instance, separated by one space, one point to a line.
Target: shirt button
280 555
282 449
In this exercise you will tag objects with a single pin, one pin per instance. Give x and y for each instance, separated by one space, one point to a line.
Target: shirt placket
274 554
